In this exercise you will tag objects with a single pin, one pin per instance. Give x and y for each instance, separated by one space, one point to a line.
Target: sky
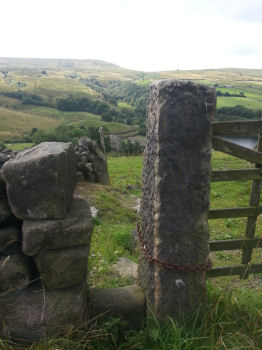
146 35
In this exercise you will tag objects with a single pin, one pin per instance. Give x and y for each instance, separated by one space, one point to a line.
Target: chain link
166 264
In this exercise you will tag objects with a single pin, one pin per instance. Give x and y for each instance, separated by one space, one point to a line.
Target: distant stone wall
91 161
45 235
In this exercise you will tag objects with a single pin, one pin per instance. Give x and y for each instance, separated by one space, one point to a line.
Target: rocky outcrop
91 161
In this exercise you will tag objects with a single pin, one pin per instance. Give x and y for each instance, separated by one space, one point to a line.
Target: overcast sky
149 35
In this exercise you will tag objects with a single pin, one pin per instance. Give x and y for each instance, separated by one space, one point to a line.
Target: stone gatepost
175 196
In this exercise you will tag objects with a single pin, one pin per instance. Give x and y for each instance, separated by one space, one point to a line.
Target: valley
43 94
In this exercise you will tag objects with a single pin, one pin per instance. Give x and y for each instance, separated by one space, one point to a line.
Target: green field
233 101
123 105
16 123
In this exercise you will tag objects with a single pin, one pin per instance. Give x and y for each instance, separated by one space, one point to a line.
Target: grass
19 146
227 322
117 218
234 101
124 105
47 118
112 126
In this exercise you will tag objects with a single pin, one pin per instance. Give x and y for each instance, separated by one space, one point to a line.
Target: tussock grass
227 322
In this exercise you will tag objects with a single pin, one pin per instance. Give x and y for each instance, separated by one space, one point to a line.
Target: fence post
175 195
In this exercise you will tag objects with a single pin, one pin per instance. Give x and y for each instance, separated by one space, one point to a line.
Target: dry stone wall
45 235
91 161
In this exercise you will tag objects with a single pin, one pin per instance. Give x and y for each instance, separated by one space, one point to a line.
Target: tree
107 117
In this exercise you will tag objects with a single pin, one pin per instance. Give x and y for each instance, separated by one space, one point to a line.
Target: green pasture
234 101
14 123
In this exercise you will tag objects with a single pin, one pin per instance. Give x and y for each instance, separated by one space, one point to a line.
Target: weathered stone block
41 180
9 236
127 303
33 313
14 272
5 211
175 194
74 230
63 268
124 267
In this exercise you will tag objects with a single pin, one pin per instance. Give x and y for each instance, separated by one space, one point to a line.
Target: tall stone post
175 196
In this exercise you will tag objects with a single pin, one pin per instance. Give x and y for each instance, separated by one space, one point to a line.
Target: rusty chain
166 264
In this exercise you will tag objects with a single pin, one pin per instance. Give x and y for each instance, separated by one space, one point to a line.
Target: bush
237 112
128 147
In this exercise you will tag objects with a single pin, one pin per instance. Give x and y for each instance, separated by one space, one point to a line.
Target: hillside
43 93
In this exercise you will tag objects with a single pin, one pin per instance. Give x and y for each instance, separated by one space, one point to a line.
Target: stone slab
74 230
63 268
127 303
33 313
41 181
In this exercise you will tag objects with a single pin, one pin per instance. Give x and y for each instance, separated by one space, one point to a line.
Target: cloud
242 10
242 49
